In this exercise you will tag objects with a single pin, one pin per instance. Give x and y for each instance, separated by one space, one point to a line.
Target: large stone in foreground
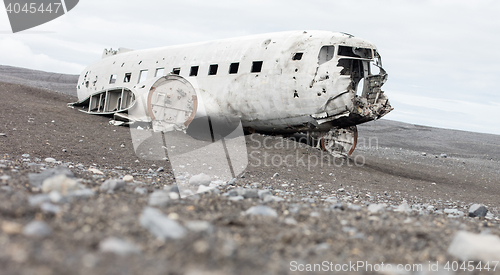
160 225
478 210
118 246
200 179
37 229
36 179
261 210
60 183
469 246
159 198
112 185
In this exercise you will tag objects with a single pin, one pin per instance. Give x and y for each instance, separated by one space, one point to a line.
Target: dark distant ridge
62 83
431 140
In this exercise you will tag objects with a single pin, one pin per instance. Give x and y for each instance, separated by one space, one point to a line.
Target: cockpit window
365 53
376 64
326 54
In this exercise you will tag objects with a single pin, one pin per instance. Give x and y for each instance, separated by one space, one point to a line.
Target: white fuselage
299 86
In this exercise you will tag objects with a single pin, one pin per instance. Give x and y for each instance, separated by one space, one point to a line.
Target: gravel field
76 199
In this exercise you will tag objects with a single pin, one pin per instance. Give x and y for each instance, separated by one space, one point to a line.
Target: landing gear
340 142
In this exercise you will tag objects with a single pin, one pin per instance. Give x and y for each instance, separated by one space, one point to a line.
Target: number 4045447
33 8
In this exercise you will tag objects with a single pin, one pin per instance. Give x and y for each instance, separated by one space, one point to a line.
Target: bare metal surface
287 82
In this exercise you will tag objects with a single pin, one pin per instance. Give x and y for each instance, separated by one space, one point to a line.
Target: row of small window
212 70
233 68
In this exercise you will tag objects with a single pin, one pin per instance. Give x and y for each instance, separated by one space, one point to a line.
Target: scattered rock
331 200
6 189
96 171
200 179
338 206
376 208
160 225
118 246
50 208
201 246
202 189
231 181
264 193
37 229
173 195
56 197
60 183
81 193
443 156
273 199
321 246
235 192
262 210
199 226
354 207
451 211
38 199
250 193
315 214
50 160
159 198
350 230
290 221
469 246
255 185
140 190
456 215
5 178
245 193
36 180
478 210
112 185
173 188
128 178
404 207
236 198
11 227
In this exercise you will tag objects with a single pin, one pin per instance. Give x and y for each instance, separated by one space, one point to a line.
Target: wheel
340 142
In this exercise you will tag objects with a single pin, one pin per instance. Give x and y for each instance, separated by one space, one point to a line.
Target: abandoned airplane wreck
321 82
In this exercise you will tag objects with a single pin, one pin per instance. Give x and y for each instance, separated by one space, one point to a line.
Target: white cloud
16 53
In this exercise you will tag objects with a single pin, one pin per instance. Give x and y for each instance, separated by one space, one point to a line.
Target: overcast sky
442 56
